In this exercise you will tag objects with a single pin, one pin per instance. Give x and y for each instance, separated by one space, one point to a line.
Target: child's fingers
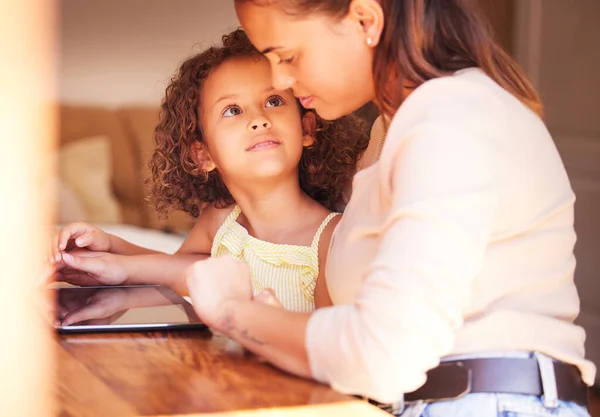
84 240
89 265
71 231
67 233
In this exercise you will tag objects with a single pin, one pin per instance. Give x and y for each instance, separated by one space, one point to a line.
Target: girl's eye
232 111
274 101
286 61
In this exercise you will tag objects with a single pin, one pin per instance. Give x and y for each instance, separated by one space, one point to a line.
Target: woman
452 269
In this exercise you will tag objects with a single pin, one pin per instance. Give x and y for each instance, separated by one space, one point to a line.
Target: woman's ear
201 157
369 14
309 128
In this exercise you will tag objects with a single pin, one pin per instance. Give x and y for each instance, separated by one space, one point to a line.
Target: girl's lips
306 101
264 145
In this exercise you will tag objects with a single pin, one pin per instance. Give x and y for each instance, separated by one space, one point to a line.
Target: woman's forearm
161 269
271 332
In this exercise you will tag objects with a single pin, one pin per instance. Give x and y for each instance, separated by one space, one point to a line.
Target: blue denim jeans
494 405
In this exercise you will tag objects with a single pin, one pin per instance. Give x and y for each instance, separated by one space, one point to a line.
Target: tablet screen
147 307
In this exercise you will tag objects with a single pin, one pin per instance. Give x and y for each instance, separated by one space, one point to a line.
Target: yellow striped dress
290 270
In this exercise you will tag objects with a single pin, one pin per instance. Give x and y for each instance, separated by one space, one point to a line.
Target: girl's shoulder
207 225
213 217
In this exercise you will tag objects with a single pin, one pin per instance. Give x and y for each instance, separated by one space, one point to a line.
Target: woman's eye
286 60
274 101
232 111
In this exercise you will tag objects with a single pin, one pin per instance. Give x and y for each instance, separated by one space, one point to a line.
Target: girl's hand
78 235
214 284
87 268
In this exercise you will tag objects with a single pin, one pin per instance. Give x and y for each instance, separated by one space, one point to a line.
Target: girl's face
251 130
327 62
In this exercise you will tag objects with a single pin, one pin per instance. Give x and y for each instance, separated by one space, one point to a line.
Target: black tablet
122 308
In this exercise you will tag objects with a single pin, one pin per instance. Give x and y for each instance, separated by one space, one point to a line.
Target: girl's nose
260 123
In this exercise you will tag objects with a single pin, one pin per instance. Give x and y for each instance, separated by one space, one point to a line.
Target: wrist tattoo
230 328
244 334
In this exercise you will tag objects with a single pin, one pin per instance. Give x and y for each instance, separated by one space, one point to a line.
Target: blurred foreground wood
27 35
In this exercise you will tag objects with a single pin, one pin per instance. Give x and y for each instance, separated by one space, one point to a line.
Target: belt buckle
395 408
549 390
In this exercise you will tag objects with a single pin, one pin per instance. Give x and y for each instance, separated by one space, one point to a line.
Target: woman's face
325 61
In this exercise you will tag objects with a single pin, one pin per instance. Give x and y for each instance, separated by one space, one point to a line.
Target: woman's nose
282 80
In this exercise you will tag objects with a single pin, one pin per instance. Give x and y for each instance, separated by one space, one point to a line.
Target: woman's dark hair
425 39
326 168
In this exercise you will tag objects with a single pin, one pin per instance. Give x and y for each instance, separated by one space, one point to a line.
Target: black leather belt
455 379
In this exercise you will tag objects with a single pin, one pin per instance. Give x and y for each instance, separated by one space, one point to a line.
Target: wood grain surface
150 374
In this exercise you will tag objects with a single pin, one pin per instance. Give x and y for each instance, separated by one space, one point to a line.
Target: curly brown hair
325 170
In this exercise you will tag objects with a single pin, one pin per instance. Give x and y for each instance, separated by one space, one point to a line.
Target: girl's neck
274 211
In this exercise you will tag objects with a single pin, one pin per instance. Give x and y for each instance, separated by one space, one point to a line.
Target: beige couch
129 131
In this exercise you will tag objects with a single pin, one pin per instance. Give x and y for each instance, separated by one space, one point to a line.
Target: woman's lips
306 101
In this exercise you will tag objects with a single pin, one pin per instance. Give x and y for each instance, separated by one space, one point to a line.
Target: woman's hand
268 297
221 291
213 284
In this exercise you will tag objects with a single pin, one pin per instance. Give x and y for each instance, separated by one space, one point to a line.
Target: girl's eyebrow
230 96
226 97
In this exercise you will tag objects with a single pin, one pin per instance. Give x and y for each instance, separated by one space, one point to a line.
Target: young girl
272 174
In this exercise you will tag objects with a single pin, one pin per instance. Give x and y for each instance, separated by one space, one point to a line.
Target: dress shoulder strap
324 223
224 228
235 213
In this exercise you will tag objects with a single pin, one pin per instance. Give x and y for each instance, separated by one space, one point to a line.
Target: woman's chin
333 112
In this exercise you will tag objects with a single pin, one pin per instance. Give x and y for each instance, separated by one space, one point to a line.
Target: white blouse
458 240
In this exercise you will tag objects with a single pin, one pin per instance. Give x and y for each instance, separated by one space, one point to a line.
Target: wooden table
151 374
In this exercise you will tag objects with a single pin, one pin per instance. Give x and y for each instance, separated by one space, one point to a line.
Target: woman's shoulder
463 95
463 82
468 101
